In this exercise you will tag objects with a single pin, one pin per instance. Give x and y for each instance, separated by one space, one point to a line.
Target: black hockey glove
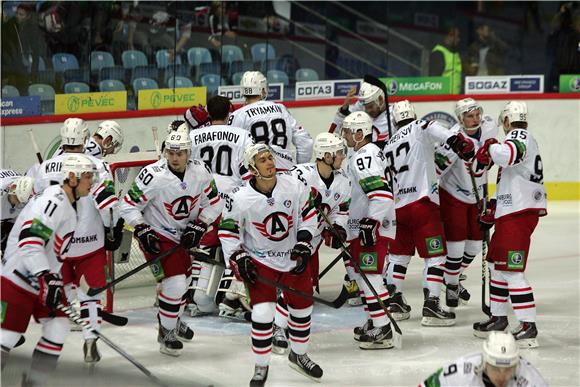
148 238
192 234
368 231
51 290
462 145
301 253
330 238
113 238
243 267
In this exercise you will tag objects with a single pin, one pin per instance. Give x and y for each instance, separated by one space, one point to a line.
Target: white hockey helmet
112 129
467 105
22 188
78 164
370 93
254 83
500 350
328 143
177 141
183 128
358 121
403 110
252 151
74 131
514 111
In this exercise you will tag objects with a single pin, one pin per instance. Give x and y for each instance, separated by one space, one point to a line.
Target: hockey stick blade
94 291
114 319
298 293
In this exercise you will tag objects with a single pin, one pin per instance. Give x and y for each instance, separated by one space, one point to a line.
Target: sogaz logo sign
233 93
482 85
309 90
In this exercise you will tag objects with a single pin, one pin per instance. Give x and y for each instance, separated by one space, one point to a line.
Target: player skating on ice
15 191
521 200
31 269
410 158
498 365
458 204
267 229
170 205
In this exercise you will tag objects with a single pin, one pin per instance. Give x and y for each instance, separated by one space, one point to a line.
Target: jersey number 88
259 132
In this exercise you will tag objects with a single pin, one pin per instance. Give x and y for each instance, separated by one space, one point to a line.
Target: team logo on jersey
183 185
62 245
516 259
181 207
538 195
275 226
368 261
270 201
287 203
434 245
336 196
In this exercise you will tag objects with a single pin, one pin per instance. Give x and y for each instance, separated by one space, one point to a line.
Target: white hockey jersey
453 172
166 203
7 210
92 148
371 195
94 210
271 123
468 371
520 184
409 155
266 226
40 239
222 148
380 123
335 196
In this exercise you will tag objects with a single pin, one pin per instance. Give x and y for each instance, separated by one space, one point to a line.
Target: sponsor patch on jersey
157 270
434 245
287 203
3 307
183 185
538 195
516 259
270 201
368 261
336 196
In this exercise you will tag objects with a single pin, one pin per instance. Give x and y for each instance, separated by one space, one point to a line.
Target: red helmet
196 117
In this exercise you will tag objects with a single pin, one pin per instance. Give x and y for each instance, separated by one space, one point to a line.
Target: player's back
7 176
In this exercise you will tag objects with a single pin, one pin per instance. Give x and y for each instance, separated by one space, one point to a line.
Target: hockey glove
487 220
113 238
243 267
301 252
483 157
462 145
368 231
192 234
330 238
51 289
148 238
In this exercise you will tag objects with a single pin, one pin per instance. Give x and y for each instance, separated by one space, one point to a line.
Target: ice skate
377 338
91 351
464 295
194 311
359 331
170 345
260 376
525 335
399 308
452 296
234 309
434 315
279 341
184 332
305 366
495 323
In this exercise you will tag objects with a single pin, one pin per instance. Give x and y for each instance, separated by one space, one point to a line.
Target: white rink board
220 352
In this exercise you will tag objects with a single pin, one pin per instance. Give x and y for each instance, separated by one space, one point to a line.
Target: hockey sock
70 291
352 274
453 262
375 311
299 329
521 296
4 356
262 330
397 270
433 275
281 317
498 294
172 290
44 361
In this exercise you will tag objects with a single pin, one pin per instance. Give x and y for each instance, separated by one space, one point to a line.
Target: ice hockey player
170 205
521 200
410 158
498 365
371 100
333 190
107 139
99 228
196 117
459 209
31 279
222 148
266 230
15 190
270 123
371 224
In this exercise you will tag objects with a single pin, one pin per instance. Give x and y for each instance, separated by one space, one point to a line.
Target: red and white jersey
40 239
380 123
92 148
468 371
165 202
222 148
266 226
335 196
94 210
7 210
371 195
271 123
453 172
409 155
520 184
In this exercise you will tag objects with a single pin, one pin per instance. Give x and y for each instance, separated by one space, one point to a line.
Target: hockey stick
330 266
485 275
35 145
94 291
397 334
76 318
156 141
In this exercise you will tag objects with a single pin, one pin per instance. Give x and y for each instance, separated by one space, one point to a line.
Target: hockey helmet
74 131
111 129
358 121
514 111
251 152
403 110
177 141
467 105
172 127
254 83
328 143
78 164
500 350
196 117
22 188
370 93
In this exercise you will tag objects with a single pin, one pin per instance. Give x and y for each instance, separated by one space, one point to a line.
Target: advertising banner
569 83
171 98
325 89
112 101
504 84
275 92
402 86
21 106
